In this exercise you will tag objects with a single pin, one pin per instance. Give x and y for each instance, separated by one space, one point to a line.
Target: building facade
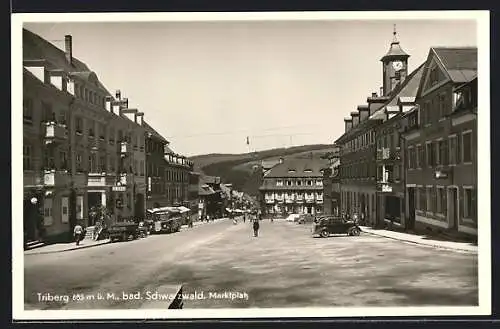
82 148
441 137
294 186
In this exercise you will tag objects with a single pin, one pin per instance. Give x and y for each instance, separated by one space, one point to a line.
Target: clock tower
394 66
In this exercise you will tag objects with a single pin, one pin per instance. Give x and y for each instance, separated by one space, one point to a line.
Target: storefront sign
386 188
119 188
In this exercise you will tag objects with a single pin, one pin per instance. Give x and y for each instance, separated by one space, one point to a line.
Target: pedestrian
256 226
78 232
244 217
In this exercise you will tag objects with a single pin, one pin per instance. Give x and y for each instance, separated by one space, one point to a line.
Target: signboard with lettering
119 188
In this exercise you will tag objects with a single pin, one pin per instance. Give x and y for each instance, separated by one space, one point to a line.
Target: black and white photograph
232 165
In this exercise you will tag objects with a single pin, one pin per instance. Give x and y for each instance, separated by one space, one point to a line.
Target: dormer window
291 171
308 171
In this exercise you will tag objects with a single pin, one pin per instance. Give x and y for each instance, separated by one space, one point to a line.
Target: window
136 167
142 168
78 125
469 203
434 75
47 113
136 141
63 160
422 199
91 129
27 110
396 172
319 182
49 159
111 135
429 154
441 201
426 113
47 212
27 157
442 105
453 150
120 136
467 147
443 152
102 132
102 163
78 162
299 182
63 117
418 156
428 198
288 183
92 163
433 200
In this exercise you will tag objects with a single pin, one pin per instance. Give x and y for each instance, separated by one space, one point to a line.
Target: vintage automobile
123 230
326 225
305 218
165 220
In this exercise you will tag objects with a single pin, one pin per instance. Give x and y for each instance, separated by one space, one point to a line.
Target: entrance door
453 207
30 218
411 208
94 200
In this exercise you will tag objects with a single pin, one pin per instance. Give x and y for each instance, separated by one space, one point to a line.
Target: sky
206 86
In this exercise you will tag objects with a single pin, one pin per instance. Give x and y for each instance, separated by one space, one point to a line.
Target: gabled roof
407 89
460 63
36 48
153 132
298 168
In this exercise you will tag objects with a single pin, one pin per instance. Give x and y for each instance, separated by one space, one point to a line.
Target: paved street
283 267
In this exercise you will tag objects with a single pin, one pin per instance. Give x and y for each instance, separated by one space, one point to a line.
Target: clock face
397 65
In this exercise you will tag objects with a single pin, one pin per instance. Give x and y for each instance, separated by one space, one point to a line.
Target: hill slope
239 169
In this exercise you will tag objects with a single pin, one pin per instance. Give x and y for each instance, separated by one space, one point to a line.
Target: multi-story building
294 186
82 146
155 169
177 170
441 138
331 183
358 155
390 161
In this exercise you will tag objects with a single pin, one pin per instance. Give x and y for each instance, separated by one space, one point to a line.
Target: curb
424 244
69 249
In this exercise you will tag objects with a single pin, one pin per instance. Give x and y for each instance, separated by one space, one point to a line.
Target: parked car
292 217
327 225
122 231
305 218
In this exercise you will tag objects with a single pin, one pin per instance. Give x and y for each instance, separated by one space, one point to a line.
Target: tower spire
394 33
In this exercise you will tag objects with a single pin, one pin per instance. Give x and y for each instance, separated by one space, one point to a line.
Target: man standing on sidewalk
77 232
256 226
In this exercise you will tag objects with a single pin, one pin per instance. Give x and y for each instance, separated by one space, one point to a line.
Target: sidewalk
422 240
59 247
87 243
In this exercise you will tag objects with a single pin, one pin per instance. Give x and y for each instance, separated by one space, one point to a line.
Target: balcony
55 178
55 133
124 148
100 179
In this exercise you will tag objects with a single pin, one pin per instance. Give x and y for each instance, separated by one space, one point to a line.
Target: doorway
94 200
30 216
411 208
453 207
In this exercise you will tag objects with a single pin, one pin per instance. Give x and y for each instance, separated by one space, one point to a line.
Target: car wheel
355 231
325 234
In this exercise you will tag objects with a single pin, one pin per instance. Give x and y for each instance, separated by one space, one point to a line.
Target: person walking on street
77 232
256 226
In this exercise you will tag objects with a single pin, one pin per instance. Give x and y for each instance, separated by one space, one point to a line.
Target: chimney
348 124
118 95
374 95
364 112
355 118
68 48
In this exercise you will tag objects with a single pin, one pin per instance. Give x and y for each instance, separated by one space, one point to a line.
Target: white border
484 254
